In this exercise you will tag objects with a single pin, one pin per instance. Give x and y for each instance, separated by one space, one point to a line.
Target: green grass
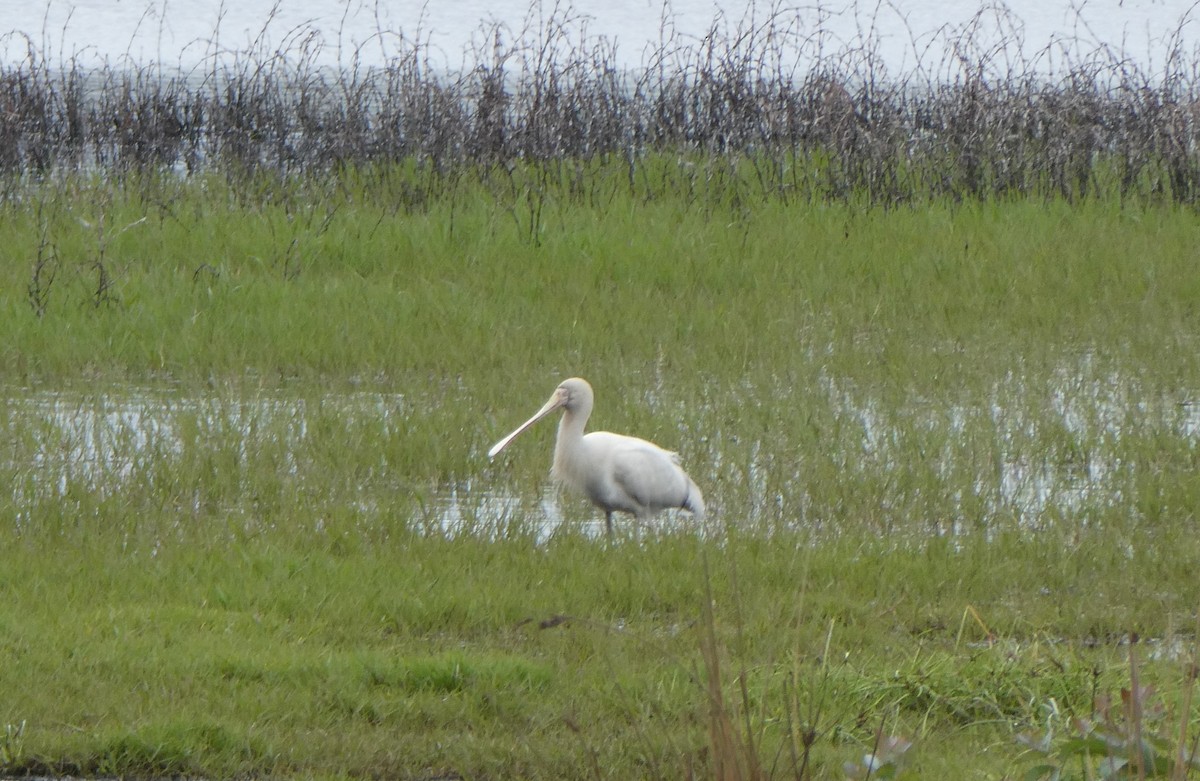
950 452
290 654
209 284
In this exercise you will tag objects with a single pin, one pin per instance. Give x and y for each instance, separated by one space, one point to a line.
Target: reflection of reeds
975 123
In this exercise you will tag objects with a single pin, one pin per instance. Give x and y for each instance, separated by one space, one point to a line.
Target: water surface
1027 456
368 33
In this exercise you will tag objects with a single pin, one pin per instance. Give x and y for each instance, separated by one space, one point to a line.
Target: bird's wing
648 474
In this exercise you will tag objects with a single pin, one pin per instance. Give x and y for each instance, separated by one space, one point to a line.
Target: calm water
904 31
106 443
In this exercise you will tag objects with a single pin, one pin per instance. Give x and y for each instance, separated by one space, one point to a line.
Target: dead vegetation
766 95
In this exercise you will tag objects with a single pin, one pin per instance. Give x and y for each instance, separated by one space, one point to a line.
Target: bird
617 473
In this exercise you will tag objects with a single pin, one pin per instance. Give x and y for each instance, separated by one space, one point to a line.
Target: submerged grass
951 452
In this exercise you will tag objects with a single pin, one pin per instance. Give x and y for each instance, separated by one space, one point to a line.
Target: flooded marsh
931 351
943 491
1083 446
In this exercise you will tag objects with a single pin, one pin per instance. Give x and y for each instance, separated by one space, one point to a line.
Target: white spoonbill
616 472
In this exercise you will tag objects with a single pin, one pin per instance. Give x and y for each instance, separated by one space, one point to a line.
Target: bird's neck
570 436
570 428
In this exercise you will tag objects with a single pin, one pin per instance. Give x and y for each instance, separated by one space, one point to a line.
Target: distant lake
903 32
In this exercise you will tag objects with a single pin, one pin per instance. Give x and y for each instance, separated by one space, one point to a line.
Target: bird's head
573 395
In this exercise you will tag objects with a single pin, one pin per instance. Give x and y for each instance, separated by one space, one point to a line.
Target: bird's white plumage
616 472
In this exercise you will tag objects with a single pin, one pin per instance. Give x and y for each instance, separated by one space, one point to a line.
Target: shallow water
369 33
1023 455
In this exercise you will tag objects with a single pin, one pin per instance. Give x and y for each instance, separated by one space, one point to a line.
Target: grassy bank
307 654
252 531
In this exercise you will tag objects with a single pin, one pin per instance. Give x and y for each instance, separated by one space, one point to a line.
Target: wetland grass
951 452
929 349
297 653
196 284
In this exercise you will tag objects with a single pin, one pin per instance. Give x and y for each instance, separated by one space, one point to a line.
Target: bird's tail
694 500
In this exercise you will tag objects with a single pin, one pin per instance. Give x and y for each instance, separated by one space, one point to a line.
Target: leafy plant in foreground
1131 739
12 747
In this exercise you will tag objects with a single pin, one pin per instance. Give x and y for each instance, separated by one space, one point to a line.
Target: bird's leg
608 521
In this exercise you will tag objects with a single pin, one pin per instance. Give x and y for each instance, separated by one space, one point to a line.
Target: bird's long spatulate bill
554 403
